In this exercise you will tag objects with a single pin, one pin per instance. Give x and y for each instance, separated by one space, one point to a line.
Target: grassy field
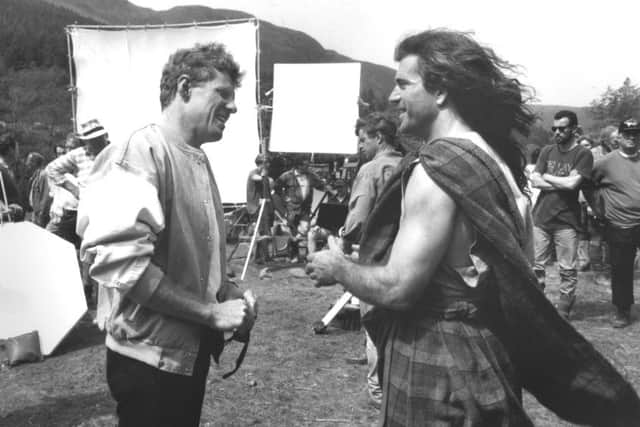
290 376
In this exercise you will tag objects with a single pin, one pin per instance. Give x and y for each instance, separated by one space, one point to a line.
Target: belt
459 310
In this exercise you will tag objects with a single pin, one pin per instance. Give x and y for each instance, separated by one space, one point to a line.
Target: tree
538 135
35 95
616 105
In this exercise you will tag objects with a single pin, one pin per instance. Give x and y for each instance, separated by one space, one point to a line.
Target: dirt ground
290 376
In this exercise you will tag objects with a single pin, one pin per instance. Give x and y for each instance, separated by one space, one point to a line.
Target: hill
277 44
32 34
34 62
34 73
546 113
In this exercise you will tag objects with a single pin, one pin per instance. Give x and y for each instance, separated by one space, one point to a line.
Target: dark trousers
623 243
147 396
66 227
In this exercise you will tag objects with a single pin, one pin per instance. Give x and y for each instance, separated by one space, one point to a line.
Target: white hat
91 129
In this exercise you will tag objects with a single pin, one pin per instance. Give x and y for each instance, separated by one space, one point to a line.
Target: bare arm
58 168
592 192
570 182
422 241
537 181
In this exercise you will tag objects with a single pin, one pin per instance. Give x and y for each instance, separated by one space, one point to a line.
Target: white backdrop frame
230 158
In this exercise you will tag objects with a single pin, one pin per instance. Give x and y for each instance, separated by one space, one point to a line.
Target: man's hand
322 265
232 315
250 299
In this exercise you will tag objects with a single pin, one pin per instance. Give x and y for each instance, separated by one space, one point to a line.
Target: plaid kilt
448 373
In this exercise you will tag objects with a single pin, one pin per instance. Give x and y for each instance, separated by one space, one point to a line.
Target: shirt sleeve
363 195
541 164
584 163
60 167
120 216
597 172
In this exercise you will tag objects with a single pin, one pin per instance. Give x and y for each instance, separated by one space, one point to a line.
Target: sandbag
24 348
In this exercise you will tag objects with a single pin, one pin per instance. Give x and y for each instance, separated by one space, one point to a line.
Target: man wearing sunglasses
617 180
559 172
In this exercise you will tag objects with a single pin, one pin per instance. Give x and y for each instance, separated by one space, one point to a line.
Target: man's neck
174 128
567 146
631 155
384 149
448 123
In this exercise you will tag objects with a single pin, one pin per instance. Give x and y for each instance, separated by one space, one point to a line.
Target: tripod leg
253 239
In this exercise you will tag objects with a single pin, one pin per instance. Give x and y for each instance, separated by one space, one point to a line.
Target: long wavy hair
490 102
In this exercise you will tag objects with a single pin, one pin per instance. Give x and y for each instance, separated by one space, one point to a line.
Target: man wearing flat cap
616 178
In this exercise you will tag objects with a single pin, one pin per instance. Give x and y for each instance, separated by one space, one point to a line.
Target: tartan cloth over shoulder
552 360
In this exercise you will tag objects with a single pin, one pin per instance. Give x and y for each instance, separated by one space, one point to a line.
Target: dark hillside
34 62
32 34
546 113
278 44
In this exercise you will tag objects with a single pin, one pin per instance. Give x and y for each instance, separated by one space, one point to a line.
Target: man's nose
231 106
394 96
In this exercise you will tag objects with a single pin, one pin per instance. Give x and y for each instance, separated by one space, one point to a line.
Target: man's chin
404 127
215 135
408 129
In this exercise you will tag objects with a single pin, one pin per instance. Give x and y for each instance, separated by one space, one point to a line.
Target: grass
290 376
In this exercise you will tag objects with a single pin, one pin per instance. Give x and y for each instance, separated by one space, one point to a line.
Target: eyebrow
405 80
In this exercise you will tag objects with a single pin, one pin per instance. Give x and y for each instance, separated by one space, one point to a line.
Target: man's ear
184 87
441 97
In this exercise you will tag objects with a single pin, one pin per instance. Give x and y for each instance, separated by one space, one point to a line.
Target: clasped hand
236 315
322 265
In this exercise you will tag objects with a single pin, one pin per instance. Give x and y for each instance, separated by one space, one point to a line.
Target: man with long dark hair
445 258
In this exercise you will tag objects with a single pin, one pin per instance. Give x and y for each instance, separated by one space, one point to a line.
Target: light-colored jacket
151 213
367 186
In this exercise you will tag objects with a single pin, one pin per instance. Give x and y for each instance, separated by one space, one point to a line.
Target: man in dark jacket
38 189
11 207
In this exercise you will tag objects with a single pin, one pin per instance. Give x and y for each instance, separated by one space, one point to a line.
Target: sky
568 51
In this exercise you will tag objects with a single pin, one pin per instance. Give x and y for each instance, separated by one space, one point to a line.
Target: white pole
6 200
253 239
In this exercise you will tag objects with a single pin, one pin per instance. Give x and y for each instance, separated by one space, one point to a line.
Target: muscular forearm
538 182
375 285
570 182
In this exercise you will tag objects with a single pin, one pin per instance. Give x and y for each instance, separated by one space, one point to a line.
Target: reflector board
315 108
40 284
118 82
